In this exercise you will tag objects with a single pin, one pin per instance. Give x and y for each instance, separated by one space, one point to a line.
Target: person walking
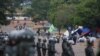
51 47
44 47
89 49
67 48
39 46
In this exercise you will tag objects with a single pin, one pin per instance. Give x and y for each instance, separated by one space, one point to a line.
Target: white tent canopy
66 33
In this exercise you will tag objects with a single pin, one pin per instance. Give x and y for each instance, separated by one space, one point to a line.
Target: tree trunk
59 30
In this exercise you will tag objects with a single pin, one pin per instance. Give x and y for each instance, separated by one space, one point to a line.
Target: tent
52 29
85 31
66 33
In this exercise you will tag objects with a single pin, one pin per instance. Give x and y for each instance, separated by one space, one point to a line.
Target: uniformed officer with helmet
51 46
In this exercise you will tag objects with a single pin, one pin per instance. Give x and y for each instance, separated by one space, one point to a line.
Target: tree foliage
77 12
4 5
7 5
63 12
39 9
88 10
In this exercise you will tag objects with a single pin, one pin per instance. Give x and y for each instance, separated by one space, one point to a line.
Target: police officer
64 47
67 48
89 49
51 47
39 46
11 48
74 38
2 46
48 34
44 47
32 49
38 31
98 53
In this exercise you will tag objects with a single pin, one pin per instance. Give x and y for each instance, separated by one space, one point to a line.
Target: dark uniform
11 48
39 46
27 49
51 48
38 31
44 48
67 49
24 44
31 51
2 46
89 49
74 38
98 54
48 35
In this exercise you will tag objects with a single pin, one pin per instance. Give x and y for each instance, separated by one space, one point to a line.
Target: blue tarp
85 30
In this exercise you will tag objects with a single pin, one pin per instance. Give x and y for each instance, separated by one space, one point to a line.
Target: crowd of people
45 47
72 39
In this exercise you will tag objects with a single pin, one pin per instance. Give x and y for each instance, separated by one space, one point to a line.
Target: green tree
57 13
7 6
61 13
4 6
88 10
39 9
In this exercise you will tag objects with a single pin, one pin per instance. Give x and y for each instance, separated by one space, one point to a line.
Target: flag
52 28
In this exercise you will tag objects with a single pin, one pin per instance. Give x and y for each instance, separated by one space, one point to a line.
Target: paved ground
78 49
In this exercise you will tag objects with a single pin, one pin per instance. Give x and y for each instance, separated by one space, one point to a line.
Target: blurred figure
74 36
38 31
48 34
1 31
44 29
67 48
75 40
2 46
89 49
51 47
82 39
24 25
92 39
98 54
44 47
32 49
11 48
39 46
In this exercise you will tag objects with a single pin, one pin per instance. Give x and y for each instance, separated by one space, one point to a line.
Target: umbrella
23 33
15 33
